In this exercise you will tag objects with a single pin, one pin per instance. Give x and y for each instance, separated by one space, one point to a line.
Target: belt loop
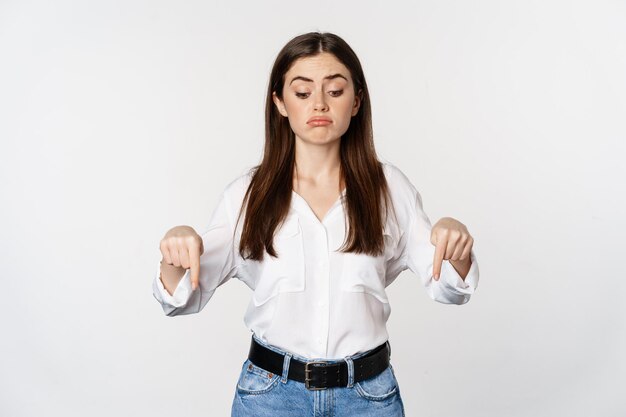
286 362
350 371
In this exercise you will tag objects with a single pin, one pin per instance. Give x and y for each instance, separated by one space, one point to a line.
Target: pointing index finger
194 263
440 250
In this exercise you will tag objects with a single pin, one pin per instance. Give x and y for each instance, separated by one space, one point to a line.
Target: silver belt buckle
307 371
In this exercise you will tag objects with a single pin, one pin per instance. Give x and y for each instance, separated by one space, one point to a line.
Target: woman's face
318 86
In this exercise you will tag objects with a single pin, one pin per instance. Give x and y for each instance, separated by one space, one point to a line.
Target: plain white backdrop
122 119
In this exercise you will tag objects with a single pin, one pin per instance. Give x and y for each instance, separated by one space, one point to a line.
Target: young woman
317 230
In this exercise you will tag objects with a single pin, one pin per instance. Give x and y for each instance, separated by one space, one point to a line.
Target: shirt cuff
181 294
453 282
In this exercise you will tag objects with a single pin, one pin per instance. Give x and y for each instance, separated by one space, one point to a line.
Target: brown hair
268 196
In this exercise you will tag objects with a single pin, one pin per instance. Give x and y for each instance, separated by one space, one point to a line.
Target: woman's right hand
182 246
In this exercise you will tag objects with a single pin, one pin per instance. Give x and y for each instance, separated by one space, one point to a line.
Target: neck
318 165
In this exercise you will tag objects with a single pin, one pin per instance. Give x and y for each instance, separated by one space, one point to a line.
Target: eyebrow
328 77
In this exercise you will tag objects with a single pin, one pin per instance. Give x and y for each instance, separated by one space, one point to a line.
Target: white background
122 119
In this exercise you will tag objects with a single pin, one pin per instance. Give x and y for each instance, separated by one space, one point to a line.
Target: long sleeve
218 264
419 254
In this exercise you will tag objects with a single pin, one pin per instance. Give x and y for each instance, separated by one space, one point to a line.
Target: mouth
319 121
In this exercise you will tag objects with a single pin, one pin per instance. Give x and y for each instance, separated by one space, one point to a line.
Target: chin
318 141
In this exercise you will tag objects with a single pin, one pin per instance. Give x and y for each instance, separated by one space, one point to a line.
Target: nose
320 101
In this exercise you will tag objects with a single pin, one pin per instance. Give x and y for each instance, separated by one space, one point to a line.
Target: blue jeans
260 393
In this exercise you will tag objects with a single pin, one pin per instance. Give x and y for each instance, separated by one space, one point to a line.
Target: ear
280 105
357 102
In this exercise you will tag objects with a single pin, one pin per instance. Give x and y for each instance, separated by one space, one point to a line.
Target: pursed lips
319 121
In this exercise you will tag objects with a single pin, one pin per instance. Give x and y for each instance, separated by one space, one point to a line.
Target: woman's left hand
452 242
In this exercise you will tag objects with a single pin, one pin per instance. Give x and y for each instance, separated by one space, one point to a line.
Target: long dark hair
268 197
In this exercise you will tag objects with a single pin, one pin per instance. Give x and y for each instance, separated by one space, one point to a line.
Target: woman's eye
334 93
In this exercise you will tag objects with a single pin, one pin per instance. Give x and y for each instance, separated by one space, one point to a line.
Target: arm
458 280
218 264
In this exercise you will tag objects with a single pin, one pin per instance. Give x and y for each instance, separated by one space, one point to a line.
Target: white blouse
311 300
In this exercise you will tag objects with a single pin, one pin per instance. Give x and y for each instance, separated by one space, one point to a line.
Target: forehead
317 67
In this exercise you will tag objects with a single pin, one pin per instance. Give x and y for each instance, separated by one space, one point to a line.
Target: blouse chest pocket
364 273
286 272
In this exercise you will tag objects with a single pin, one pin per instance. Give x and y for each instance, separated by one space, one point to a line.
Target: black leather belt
322 374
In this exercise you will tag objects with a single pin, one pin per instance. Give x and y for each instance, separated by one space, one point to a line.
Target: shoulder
234 191
237 186
400 186
404 195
